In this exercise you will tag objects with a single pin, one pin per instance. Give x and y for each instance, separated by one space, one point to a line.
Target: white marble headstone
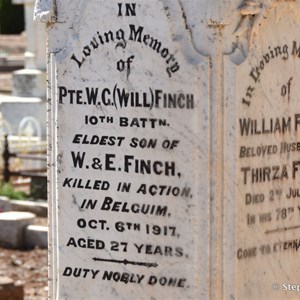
129 132
175 166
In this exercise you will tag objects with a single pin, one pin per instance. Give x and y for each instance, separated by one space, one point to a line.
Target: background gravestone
262 92
174 154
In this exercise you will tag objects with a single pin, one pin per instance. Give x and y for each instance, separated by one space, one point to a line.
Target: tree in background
11 17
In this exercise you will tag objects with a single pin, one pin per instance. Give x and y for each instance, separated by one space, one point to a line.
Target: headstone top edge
45 11
252 14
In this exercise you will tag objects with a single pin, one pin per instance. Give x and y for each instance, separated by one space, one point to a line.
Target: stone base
12 228
29 83
36 236
10 291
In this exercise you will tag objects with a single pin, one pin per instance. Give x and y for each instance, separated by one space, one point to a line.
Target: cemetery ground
26 267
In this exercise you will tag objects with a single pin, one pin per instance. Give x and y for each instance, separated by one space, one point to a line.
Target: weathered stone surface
40 209
12 227
36 236
262 135
10 291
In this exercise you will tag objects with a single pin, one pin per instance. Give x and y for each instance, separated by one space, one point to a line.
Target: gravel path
28 268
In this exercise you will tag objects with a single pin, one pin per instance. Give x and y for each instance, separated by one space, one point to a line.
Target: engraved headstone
261 92
129 128
175 149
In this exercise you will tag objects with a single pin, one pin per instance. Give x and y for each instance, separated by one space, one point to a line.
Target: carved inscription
135 34
269 164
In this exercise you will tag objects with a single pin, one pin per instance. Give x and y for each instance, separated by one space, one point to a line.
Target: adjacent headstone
174 175
263 135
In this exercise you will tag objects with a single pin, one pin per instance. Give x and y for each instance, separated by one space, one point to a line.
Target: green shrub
11 17
7 189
